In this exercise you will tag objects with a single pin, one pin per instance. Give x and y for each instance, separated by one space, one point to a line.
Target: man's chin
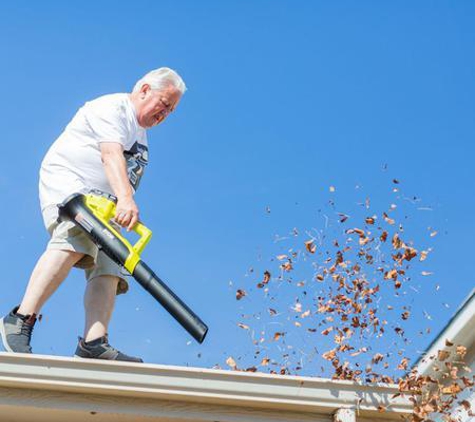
147 125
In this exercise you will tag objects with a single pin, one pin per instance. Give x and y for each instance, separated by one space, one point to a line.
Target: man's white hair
161 78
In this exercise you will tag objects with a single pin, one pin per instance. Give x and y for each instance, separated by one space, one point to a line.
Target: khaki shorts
67 236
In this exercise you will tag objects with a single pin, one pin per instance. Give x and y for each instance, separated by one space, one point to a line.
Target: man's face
155 105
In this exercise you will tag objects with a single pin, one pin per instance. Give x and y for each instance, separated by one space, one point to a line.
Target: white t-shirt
73 162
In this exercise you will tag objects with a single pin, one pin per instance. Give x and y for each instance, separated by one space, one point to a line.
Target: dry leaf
287 266
452 389
265 280
387 219
310 246
343 217
240 294
231 362
443 355
392 274
403 364
461 351
330 355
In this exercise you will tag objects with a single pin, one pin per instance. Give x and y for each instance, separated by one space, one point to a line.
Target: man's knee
75 256
108 280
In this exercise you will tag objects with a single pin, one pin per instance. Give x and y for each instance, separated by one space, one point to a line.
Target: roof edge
458 330
255 390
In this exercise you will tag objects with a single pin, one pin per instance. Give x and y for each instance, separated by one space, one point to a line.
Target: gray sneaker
15 330
101 349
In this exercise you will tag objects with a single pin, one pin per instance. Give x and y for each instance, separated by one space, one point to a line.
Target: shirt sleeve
107 122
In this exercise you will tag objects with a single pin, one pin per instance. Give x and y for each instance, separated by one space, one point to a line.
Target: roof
50 388
459 330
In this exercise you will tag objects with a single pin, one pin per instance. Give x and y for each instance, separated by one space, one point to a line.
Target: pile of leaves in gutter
323 307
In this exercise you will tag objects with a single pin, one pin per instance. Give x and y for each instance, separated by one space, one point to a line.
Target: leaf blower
92 212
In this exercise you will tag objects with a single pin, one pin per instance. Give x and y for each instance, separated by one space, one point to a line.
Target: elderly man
104 147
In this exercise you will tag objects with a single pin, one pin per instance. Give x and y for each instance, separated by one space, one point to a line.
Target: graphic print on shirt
137 159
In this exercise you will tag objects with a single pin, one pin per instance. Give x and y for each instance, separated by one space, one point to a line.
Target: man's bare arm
112 155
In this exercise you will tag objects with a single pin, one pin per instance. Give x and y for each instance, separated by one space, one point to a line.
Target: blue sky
285 100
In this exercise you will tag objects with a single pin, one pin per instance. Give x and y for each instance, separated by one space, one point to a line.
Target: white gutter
147 386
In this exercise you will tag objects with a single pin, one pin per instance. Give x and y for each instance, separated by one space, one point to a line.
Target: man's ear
144 89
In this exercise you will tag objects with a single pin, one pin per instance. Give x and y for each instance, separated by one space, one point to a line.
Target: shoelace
26 329
111 348
107 345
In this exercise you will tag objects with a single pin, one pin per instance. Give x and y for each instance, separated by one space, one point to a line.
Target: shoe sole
110 360
87 357
4 337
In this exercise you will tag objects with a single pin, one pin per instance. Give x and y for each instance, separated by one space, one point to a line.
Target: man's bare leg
50 271
99 301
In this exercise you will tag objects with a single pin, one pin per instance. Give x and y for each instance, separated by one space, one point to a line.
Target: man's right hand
112 155
127 212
